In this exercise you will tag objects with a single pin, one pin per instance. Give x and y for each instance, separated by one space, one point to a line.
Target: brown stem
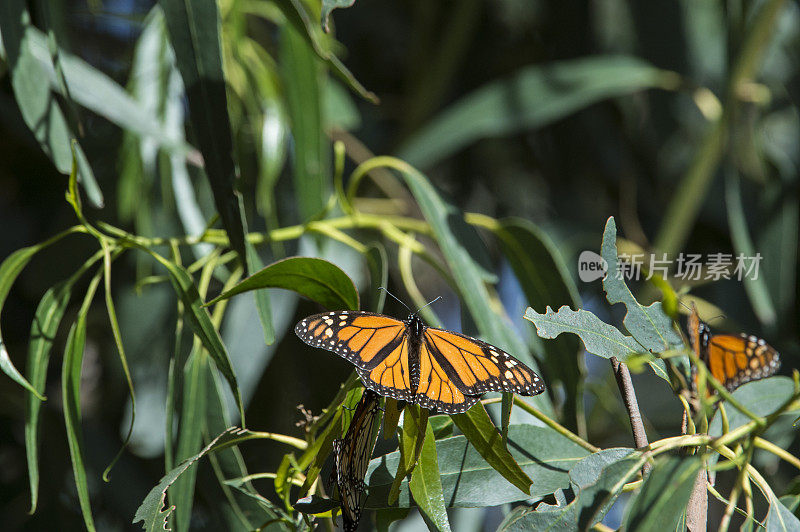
629 398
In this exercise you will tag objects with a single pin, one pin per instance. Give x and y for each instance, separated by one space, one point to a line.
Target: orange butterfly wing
735 360
376 344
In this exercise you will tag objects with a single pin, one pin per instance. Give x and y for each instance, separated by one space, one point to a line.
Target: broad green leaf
648 325
152 511
201 323
545 280
598 337
761 397
71 397
779 517
302 77
534 97
39 108
190 434
426 485
330 5
316 279
478 428
662 499
469 481
194 30
596 482
450 230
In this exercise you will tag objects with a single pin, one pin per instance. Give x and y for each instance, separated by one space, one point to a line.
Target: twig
629 398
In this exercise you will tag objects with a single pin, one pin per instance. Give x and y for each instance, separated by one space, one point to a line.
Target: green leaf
330 5
755 286
378 265
662 499
596 481
152 511
302 78
478 428
44 328
426 485
598 337
190 434
469 481
261 296
316 279
71 397
412 437
296 14
194 33
545 280
761 397
39 107
534 97
10 269
201 323
649 326
779 517
451 233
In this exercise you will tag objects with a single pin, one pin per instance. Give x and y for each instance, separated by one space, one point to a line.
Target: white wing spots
342 323
329 332
508 375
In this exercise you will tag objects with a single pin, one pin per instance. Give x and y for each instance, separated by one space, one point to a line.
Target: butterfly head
415 325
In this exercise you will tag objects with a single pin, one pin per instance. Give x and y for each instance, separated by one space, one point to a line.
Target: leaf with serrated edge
649 326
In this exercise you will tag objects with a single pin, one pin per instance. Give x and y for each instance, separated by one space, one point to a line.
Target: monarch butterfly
351 457
409 361
732 360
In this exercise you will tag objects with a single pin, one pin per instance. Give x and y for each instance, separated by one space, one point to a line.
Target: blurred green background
678 118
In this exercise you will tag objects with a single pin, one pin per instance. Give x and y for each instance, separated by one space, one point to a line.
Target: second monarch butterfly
732 359
351 457
410 361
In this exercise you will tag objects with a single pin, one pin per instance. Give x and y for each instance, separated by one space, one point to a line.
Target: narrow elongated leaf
190 434
598 337
378 265
779 517
478 428
71 396
316 279
469 481
596 481
152 511
412 437
648 325
534 97
43 332
194 33
426 485
201 323
302 77
39 108
662 500
10 269
261 296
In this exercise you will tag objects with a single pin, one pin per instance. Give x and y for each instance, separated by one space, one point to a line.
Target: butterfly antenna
394 297
429 304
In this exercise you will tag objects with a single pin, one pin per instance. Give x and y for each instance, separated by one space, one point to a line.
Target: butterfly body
732 359
409 361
